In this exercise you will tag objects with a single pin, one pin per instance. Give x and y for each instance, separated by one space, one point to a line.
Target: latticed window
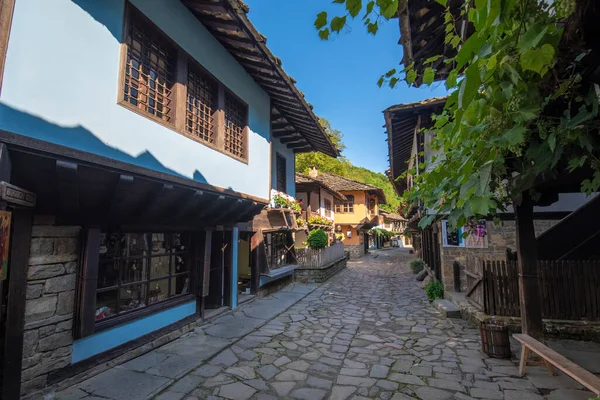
346 206
327 204
235 124
278 246
149 69
281 171
202 95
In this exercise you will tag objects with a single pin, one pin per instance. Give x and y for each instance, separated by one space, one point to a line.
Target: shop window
327 204
278 246
137 270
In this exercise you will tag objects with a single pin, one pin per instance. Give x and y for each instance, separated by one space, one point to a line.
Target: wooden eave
401 121
228 23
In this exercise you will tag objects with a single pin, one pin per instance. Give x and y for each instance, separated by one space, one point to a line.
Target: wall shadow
79 138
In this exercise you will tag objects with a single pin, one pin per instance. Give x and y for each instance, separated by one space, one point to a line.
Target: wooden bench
552 359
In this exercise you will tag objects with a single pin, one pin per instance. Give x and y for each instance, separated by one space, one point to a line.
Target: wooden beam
161 199
292 139
227 209
120 195
303 149
209 210
284 134
294 145
193 199
22 221
68 188
87 284
6 14
529 288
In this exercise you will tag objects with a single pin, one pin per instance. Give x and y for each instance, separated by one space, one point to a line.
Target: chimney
314 172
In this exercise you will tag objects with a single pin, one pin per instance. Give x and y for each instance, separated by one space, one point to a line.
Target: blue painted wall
290 158
110 338
61 85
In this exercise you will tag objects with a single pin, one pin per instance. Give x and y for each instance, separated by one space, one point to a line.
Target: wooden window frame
345 207
183 62
327 207
279 158
7 8
85 323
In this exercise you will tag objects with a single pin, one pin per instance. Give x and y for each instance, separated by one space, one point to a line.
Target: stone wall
318 275
500 238
51 281
356 250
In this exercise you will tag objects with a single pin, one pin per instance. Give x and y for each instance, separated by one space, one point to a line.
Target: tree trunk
529 289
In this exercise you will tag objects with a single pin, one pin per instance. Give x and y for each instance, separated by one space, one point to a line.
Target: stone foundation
51 281
499 239
274 286
356 250
318 275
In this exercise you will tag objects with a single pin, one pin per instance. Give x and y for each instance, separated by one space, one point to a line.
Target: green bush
417 265
434 290
317 239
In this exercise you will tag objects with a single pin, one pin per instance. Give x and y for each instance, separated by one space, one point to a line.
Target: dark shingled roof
302 180
390 215
342 184
292 118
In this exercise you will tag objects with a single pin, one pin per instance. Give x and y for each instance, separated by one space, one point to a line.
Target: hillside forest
343 167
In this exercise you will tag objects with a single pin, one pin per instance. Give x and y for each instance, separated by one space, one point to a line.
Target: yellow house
357 214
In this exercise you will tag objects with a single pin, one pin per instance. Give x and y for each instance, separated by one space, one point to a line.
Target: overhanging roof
422 31
342 184
304 182
401 121
292 118
392 216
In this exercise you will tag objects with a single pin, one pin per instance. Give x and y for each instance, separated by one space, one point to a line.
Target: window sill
142 312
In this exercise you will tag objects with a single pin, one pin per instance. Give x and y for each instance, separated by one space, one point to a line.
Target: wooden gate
475 289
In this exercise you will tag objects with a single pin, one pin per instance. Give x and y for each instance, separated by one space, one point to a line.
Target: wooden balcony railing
318 258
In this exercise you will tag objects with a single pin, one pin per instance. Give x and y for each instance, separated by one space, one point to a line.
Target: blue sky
339 76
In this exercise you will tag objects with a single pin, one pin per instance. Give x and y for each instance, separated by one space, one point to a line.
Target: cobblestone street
368 333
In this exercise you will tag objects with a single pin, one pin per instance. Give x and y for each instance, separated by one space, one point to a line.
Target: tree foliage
518 114
342 167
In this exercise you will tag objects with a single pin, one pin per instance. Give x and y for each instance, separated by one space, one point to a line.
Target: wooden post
15 314
529 289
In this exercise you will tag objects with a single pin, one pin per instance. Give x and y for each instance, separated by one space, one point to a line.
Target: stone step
447 308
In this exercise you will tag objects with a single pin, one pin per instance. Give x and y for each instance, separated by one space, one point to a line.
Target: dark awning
85 189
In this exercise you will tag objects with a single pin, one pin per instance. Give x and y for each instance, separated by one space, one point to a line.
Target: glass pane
133 245
132 297
133 270
159 244
159 291
180 285
180 263
106 304
108 246
107 274
159 267
178 243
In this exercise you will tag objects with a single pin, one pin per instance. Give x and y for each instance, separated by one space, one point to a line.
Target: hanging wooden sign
14 194
5 219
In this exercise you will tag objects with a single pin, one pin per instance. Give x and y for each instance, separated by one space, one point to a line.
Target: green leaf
455 41
394 81
552 142
577 162
380 81
484 178
411 76
321 20
373 27
515 135
470 47
324 34
369 7
390 73
537 60
469 86
451 79
391 9
532 37
432 59
480 205
337 23
428 75
353 7
442 2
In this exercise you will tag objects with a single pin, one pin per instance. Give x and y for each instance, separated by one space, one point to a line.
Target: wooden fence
570 290
317 258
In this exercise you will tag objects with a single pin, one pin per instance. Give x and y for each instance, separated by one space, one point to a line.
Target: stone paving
368 333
